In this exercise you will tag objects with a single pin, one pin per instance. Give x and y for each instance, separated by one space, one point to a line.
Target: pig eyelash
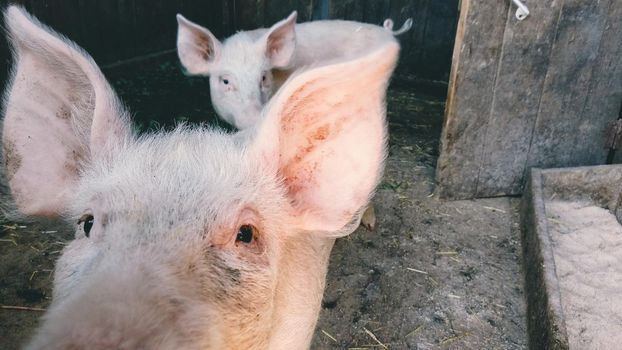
225 80
246 234
248 241
87 221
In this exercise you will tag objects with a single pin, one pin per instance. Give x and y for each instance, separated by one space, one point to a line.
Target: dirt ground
433 275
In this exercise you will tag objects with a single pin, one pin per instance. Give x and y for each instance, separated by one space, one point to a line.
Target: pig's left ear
197 47
279 42
324 133
60 112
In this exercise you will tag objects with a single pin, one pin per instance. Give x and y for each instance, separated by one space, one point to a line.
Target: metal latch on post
522 12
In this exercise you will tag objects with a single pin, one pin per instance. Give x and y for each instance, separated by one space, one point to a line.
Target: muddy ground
433 275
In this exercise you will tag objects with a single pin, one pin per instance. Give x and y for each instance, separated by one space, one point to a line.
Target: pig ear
280 41
197 48
329 128
59 113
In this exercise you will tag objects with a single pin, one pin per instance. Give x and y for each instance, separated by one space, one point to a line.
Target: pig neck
299 291
328 40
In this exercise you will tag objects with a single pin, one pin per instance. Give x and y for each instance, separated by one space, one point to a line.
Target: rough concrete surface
547 311
587 245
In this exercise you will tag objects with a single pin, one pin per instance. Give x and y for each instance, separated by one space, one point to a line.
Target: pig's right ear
197 48
324 134
279 42
59 113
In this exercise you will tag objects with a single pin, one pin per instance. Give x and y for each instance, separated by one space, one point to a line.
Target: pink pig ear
59 113
329 131
197 47
280 41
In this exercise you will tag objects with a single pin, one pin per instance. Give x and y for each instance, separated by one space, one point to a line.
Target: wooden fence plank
246 14
519 84
557 139
475 64
377 11
558 83
440 28
305 10
605 95
277 10
411 55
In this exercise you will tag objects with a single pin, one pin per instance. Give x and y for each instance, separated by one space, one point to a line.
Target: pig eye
245 234
87 222
224 80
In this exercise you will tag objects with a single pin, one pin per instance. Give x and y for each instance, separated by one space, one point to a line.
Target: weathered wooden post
528 93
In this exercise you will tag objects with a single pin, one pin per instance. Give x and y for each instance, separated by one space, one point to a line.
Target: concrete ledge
598 184
545 320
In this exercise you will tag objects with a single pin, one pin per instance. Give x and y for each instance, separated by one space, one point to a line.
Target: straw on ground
374 338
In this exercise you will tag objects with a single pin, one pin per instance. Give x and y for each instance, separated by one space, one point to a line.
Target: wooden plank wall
117 30
536 93
427 48
122 29
113 30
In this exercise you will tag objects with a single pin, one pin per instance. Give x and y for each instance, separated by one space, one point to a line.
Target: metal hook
522 12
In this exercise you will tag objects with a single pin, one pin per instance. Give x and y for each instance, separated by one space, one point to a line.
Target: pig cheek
246 300
225 103
227 275
77 260
237 283
12 159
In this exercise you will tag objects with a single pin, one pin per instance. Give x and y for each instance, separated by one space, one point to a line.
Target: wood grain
475 64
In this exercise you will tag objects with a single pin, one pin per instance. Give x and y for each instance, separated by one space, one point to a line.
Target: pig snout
123 309
156 295
248 117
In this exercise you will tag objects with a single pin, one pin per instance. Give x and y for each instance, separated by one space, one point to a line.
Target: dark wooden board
558 139
475 64
605 98
516 98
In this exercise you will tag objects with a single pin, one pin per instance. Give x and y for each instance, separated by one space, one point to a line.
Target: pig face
241 84
154 230
194 239
240 69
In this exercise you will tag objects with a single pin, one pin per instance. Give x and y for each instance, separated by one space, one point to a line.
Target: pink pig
193 239
248 68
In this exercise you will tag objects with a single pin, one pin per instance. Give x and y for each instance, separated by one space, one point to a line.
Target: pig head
193 239
240 70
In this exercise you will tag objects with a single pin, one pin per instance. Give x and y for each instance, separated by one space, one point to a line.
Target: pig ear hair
329 128
59 111
280 41
197 47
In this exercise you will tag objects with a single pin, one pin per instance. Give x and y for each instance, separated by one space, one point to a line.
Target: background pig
193 239
248 67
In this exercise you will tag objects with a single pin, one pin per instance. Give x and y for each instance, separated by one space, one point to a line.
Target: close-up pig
196 238
247 68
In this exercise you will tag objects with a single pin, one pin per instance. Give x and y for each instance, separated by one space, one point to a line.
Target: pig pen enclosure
441 270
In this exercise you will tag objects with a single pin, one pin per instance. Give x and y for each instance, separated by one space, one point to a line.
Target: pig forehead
241 56
186 173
